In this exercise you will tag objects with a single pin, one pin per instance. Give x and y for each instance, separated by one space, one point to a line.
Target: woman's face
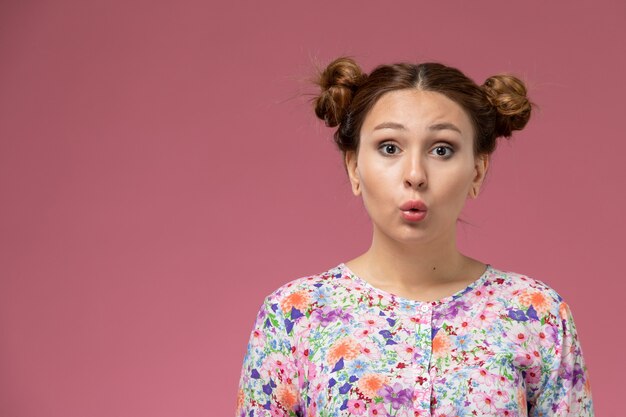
416 145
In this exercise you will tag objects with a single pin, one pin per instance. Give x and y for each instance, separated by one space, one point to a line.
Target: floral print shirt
331 344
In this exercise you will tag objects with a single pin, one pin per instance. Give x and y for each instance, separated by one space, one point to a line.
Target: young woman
413 327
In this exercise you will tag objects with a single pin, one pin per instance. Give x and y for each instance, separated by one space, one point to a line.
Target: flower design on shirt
396 395
346 348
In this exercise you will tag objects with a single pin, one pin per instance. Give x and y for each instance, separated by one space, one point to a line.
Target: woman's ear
481 166
353 172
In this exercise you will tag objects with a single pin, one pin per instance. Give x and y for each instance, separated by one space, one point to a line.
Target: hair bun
337 83
507 94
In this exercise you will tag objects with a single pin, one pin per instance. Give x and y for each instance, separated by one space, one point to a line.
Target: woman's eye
388 148
441 151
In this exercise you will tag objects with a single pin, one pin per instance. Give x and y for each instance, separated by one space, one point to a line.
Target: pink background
161 171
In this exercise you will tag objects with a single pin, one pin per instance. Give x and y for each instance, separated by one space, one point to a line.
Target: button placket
426 311
422 317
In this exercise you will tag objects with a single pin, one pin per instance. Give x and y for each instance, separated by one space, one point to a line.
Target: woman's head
496 108
417 133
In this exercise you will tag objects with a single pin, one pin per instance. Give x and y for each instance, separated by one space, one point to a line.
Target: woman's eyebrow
390 125
444 126
434 127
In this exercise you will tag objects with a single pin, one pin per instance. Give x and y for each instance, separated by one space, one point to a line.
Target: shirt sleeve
566 390
268 385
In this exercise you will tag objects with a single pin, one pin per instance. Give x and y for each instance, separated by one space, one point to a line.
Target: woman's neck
415 268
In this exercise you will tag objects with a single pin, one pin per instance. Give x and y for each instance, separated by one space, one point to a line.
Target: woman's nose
415 174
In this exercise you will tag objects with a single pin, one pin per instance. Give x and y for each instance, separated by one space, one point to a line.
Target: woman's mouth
413 210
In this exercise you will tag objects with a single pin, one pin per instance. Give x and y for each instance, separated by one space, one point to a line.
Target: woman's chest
402 362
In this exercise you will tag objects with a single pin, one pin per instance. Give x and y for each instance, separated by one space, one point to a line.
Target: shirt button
426 384
424 308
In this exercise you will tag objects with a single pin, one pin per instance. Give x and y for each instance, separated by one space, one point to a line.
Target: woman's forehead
413 109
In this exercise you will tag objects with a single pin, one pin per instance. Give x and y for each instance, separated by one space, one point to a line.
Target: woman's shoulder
515 282
525 290
306 286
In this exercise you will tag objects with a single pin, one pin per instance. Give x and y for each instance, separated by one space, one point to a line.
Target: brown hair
496 108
